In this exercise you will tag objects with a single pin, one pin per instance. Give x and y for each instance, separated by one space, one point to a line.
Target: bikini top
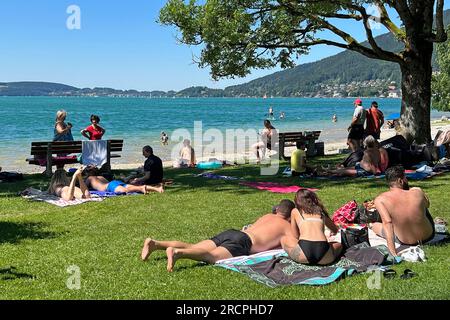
311 219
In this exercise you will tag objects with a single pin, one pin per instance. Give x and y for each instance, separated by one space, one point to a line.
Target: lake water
140 121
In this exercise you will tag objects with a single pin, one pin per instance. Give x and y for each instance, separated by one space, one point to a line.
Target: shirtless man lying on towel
265 234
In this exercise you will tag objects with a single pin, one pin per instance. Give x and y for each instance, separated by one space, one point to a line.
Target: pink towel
274 187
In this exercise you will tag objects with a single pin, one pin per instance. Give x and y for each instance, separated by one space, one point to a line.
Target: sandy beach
332 146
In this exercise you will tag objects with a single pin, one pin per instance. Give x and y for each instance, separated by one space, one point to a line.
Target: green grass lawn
39 242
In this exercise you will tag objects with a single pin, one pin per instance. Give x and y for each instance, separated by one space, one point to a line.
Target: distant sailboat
265 96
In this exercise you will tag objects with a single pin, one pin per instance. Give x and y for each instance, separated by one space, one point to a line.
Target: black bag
10 176
398 142
364 216
353 236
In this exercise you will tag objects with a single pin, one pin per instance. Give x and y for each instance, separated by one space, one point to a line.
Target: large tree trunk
417 74
416 101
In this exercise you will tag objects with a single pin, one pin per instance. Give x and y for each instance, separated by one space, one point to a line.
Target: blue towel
104 194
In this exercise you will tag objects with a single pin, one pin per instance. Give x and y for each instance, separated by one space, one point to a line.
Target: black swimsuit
238 243
314 250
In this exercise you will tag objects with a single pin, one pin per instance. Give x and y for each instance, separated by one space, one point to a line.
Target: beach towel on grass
274 187
412 175
37 195
95 153
105 194
274 268
209 175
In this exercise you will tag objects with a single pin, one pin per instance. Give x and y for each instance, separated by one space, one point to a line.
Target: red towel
275 187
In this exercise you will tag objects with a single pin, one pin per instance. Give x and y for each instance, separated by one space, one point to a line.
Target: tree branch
401 6
375 52
441 35
388 23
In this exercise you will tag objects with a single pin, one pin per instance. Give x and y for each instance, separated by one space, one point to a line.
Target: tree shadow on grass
11 273
13 233
12 189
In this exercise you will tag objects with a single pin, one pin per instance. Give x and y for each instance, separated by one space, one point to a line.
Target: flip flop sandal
439 220
408 274
390 274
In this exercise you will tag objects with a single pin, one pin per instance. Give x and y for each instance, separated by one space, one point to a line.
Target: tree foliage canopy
441 81
239 35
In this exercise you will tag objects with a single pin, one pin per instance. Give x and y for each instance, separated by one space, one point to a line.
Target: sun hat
358 101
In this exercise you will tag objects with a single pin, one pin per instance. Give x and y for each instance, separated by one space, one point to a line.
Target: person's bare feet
149 247
159 189
171 258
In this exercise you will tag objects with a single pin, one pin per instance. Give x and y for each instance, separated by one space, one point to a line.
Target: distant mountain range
345 74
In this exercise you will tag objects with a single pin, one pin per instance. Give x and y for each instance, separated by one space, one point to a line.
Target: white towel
38 195
95 153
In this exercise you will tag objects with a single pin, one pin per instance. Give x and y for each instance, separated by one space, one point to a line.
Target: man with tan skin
404 212
375 161
265 234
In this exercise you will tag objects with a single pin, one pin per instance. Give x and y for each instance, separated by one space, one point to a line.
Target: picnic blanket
274 187
209 175
37 195
105 194
412 175
274 268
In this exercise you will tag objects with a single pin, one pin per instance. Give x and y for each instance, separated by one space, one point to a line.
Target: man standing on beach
375 120
153 169
356 129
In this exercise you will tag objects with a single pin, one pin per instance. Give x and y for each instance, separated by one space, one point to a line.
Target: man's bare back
371 160
407 210
266 233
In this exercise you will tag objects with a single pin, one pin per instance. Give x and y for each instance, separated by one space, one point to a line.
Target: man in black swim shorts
265 234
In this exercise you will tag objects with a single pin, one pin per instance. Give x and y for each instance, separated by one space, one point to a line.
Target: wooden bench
59 153
289 139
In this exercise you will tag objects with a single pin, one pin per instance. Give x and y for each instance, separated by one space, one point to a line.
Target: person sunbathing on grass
375 161
61 186
265 234
100 183
404 212
308 243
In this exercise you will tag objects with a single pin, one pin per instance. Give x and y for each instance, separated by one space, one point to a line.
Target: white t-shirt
360 113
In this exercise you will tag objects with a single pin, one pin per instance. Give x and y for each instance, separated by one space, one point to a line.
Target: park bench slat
46 150
290 138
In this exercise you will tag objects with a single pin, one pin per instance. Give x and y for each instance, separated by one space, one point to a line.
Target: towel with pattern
274 268
37 195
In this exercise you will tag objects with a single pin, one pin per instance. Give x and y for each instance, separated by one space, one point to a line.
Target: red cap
358 102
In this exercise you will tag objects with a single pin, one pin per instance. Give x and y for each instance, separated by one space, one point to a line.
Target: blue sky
120 45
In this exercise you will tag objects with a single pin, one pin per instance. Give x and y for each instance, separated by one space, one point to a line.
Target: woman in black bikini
309 244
